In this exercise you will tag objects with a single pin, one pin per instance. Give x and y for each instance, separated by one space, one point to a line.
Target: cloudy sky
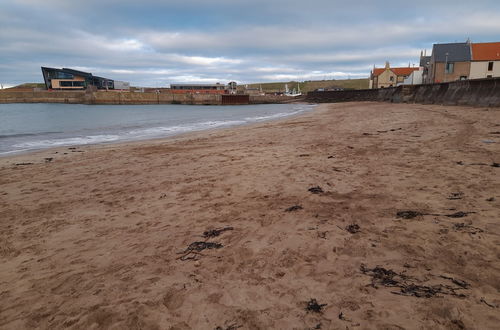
155 43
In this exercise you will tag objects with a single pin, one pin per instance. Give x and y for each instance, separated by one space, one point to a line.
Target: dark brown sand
100 239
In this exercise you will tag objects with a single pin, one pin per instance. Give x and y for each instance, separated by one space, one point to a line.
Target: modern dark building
69 79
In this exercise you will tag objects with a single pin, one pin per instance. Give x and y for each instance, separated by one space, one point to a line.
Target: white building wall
479 70
123 85
415 78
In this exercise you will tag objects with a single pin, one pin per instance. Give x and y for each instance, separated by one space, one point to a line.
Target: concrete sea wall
102 97
112 97
479 92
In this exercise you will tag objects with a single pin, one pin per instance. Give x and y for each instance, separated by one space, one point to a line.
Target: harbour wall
113 97
478 92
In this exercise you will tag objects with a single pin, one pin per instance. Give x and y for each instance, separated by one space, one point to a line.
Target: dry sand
92 238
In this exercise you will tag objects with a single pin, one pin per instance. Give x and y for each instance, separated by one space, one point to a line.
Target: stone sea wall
114 97
478 92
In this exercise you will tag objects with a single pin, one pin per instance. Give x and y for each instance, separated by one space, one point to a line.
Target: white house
485 60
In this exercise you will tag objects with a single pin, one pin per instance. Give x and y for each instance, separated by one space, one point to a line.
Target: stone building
389 77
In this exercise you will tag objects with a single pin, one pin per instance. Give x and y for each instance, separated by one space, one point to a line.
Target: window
449 68
463 77
63 75
72 83
391 78
489 76
490 66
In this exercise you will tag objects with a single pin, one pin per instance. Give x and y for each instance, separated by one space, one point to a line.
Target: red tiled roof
397 71
486 51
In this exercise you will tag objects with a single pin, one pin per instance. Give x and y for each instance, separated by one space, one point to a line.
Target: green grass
308 86
30 85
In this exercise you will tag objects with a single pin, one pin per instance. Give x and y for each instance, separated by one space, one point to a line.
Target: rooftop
486 51
404 71
452 52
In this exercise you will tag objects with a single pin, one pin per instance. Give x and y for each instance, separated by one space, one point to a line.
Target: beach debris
163 196
294 208
230 327
460 163
457 195
353 228
315 190
215 232
495 164
382 276
466 228
330 157
495 132
304 155
409 286
193 250
459 214
322 234
48 159
460 283
487 141
491 199
23 164
487 304
314 306
366 134
72 148
409 214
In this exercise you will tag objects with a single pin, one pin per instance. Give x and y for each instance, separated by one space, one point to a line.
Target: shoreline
311 207
145 140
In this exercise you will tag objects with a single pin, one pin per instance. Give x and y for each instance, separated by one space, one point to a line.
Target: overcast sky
155 43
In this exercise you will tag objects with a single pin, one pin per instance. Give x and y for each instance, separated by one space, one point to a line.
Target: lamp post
445 66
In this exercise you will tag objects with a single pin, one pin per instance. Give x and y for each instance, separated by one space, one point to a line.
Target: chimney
387 66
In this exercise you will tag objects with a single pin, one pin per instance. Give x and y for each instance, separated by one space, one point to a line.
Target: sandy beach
352 216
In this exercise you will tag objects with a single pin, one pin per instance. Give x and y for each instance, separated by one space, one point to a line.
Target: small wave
92 139
276 115
162 130
5 136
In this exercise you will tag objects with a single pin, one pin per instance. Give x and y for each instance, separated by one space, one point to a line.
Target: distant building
232 87
69 79
449 62
121 85
425 62
389 77
415 78
485 60
198 88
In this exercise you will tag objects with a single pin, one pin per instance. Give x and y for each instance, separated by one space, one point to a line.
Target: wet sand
101 237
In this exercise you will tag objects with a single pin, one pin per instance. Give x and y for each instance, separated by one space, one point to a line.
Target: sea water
32 126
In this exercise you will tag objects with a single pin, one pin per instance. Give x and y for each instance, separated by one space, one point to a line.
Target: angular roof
425 60
405 71
486 51
454 52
